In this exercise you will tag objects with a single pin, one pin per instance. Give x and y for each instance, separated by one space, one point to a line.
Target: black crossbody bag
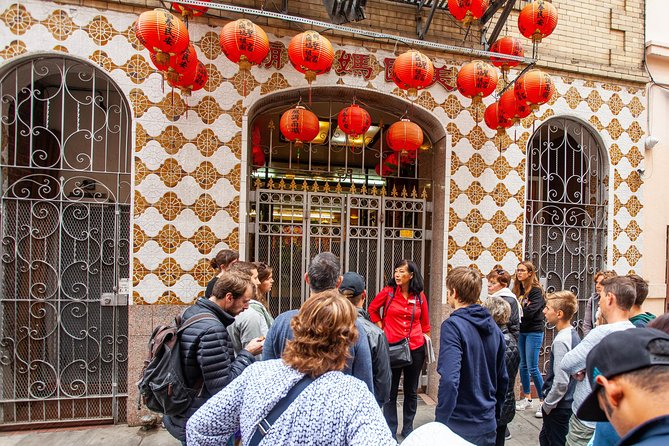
400 352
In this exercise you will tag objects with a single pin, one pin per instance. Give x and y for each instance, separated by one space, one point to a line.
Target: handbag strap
266 423
413 312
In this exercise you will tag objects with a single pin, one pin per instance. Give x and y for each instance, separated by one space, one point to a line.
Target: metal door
65 231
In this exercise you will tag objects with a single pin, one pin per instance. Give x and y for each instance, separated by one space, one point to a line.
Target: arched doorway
335 195
65 231
566 208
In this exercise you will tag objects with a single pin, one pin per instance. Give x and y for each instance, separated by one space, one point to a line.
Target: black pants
501 435
555 428
411 378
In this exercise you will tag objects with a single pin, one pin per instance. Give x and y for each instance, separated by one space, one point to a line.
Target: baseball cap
352 282
621 352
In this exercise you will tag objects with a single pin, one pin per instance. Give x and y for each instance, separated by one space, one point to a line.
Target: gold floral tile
137 69
634 156
139 238
275 82
590 84
617 230
452 106
617 205
455 191
498 249
204 240
617 255
139 272
232 240
455 163
633 206
454 131
237 113
60 25
499 222
234 177
615 129
17 19
210 44
500 194
173 106
139 204
426 101
615 153
453 219
521 168
519 223
615 104
15 48
476 193
171 172
235 145
206 175
233 209
572 97
634 181
617 180
207 142
61 49
215 78
205 207
244 82
208 110
452 247
611 87
100 30
140 102
594 100
477 138
633 255
476 110
474 220
101 59
171 139
203 272
633 230
476 165
636 107
169 271
169 298
635 131
169 206
131 37
141 171
473 248
169 239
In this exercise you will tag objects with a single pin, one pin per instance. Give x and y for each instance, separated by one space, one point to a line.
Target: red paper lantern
311 54
476 80
387 166
188 11
244 43
511 108
493 120
354 120
162 33
258 156
160 66
404 136
190 81
510 46
537 20
534 88
468 10
413 71
299 125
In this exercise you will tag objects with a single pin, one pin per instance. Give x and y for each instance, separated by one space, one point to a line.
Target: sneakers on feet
538 413
507 433
523 404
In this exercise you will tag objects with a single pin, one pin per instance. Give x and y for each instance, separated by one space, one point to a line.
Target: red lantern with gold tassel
311 54
511 108
537 20
476 80
162 33
413 71
404 136
189 11
299 125
193 80
494 120
354 120
510 46
466 11
534 88
244 43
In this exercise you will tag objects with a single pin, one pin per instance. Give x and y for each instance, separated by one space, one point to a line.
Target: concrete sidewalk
524 430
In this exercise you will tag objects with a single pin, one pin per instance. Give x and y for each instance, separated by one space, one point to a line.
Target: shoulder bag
399 352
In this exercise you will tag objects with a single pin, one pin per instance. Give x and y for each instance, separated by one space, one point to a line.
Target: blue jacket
652 433
360 364
473 373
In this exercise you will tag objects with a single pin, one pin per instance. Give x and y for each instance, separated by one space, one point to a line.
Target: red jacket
397 317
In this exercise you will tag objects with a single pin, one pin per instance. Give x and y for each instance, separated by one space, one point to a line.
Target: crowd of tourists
329 373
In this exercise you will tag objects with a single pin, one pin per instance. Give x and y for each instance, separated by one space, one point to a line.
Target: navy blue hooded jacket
473 373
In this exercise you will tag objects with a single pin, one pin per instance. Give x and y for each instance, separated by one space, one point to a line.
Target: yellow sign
406 233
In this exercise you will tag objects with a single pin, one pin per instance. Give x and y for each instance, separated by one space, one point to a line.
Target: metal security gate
566 209
369 233
65 231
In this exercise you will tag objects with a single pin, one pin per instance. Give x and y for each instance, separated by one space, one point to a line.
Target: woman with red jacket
400 309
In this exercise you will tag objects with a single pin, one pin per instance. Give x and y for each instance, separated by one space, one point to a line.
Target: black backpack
162 386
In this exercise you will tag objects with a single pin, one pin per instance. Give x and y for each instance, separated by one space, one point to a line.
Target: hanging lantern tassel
312 54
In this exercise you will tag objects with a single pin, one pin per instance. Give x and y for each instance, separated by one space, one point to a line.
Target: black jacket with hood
378 347
207 355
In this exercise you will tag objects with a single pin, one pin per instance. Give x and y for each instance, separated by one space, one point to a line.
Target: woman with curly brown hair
334 409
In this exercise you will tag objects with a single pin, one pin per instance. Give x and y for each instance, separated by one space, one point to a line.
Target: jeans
411 377
579 434
487 439
555 428
529 345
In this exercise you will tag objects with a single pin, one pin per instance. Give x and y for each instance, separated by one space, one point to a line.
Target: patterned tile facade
188 149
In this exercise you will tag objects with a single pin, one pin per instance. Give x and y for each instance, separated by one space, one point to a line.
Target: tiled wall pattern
188 149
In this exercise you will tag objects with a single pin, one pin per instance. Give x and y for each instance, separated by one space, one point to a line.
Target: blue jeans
529 345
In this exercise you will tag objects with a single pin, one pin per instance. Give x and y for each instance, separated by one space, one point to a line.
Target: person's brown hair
641 288
606 273
264 272
234 283
532 280
466 282
499 309
660 323
623 289
243 267
500 275
324 330
564 301
223 259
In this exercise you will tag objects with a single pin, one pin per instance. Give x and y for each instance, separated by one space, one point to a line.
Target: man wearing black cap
629 375
353 288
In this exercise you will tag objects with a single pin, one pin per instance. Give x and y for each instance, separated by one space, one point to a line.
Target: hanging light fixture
404 136
466 11
511 108
190 11
162 33
476 80
537 20
506 45
494 120
244 43
534 88
192 80
354 120
413 71
312 54
299 125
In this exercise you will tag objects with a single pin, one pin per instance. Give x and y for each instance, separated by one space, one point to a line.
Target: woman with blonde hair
333 408
531 297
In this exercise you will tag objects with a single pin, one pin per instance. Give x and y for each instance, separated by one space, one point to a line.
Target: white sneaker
523 404
538 413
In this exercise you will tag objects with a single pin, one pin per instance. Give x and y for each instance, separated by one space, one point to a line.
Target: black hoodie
473 373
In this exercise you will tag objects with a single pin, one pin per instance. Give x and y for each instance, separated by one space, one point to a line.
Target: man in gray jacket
353 288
